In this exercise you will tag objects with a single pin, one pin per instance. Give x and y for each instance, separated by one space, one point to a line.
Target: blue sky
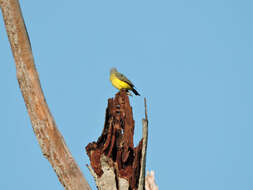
193 61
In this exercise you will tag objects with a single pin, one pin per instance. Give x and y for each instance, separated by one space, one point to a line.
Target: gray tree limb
50 139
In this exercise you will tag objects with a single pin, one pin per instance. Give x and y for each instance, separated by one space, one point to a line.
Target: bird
119 81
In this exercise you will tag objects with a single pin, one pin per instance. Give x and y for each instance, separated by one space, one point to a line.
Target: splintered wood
114 155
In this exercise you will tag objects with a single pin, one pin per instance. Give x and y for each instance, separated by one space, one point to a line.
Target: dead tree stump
115 162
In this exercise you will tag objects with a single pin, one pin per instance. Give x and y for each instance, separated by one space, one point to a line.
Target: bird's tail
135 92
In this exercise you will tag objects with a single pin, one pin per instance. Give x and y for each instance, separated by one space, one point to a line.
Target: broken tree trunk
115 162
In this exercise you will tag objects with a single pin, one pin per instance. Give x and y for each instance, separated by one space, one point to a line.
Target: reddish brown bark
116 142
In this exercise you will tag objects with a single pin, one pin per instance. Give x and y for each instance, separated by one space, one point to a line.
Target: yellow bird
119 81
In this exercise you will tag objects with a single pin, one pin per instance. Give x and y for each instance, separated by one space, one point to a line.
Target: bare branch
144 148
150 181
45 129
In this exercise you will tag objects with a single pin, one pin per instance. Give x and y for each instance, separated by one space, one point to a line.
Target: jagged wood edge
108 179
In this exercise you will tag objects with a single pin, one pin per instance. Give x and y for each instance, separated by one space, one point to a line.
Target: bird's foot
129 94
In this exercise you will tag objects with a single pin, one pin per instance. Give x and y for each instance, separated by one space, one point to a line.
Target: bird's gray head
113 70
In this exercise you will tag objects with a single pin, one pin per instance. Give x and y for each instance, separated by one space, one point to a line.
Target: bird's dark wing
123 78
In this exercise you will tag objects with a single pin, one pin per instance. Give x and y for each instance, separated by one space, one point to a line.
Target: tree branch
50 139
150 181
144 148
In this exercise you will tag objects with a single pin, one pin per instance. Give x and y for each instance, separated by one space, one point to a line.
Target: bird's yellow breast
119 84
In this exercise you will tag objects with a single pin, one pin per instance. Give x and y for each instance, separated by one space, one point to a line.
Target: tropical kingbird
119 81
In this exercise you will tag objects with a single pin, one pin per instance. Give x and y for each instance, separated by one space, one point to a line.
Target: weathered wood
50 139
114 156
144 148
150 183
